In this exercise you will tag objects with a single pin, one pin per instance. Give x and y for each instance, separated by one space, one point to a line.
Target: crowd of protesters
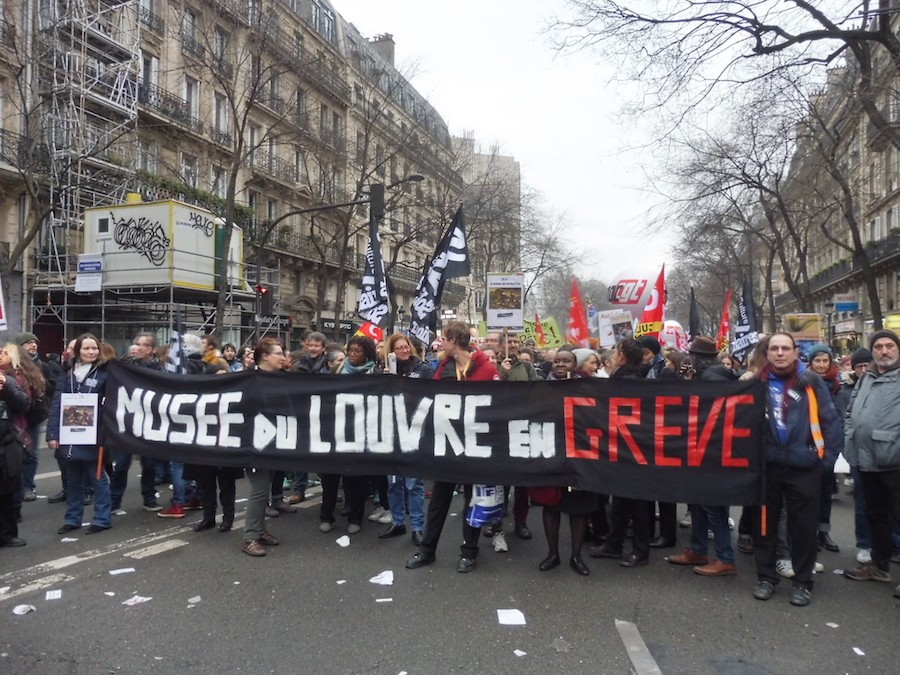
818 405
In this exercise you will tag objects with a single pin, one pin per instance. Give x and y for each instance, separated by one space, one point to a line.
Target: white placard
614 326
505 301
78 419
88 282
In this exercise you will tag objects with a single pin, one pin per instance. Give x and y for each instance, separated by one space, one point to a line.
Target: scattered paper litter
237 583
109 593
560 645
85 524
384 599
859 652
831 624
122 570
120 512
402 672
53 595
386 578
68 540
195 600
510 617
158 658
341 581
519 652
42 496
135 600
241 500
343 542
454 514
23 609
4 590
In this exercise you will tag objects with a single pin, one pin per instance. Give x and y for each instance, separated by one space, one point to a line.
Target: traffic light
266 301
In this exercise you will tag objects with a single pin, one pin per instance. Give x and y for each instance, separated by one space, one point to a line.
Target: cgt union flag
655 312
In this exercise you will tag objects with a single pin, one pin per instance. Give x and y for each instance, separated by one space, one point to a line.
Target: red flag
655 312
577 332
370 330
722 339
539 331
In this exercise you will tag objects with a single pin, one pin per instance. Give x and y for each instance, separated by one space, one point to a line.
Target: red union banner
674 441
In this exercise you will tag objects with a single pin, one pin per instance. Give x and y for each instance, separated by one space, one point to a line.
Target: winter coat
480 369
797 448
872 425
521 371
14 402
94 383
416 368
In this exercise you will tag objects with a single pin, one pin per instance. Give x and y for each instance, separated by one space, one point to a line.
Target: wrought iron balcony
168 104
151 20
273 165
192 45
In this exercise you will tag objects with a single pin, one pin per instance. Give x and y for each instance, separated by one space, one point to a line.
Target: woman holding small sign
73 433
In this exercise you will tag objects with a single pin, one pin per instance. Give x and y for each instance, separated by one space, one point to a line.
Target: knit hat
651 343
193 344
24 338
884 334
860 356
704 346
817 349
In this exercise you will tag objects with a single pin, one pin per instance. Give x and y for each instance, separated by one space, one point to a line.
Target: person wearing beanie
873 446
861 357
38 412
654 367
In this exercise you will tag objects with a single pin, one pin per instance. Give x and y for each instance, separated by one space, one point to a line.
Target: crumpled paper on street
386 578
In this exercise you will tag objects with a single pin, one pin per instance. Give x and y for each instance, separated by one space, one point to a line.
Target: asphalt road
309 605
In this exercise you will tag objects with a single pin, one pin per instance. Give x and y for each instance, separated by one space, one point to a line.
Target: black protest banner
694 442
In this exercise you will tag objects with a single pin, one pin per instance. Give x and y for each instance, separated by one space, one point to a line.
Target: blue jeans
177 471
863 529
29 467
715 518
397 501
77 473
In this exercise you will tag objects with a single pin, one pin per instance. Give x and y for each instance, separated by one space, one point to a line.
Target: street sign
345 326
90 263
277 321
846 302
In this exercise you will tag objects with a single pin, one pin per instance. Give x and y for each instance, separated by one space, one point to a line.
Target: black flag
451 259
746 332
176 357
694 320
373 300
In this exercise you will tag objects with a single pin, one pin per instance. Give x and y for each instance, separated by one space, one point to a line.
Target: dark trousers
438 508
278 484
9 529
118 479
668 521
882 489
521 504
207 482
825 492
797 491
355 492
640 513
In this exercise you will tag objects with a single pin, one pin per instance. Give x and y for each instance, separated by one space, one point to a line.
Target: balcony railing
168 104
22 152
192 45
274 166
151 20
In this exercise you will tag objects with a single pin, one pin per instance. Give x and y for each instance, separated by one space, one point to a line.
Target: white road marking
641 659
36 585
156 549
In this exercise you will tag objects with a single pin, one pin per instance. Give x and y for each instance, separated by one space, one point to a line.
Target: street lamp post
375 199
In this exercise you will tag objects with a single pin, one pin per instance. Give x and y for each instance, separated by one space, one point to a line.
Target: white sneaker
863 556
818 567
500 543
378 514
785 568
386 518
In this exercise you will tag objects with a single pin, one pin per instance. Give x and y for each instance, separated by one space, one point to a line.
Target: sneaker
863 556
173 511
686 521
153 507
800 596
386 519
29 496
868 572
764 590
785 568
353 528
500 543
378 513
325 527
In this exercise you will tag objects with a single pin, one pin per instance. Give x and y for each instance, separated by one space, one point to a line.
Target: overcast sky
488 66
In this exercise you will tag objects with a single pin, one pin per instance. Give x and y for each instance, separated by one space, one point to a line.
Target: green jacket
521 371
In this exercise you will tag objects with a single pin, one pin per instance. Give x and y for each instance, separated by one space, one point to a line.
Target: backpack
38 411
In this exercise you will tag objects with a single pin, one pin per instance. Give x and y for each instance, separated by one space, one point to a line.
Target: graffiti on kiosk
198 221
145 236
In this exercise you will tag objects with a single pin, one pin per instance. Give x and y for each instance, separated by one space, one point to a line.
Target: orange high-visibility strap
763 514
814 425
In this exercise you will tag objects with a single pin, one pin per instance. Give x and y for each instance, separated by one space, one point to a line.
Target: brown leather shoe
253 547
716 568
283 507
267 539
688 557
